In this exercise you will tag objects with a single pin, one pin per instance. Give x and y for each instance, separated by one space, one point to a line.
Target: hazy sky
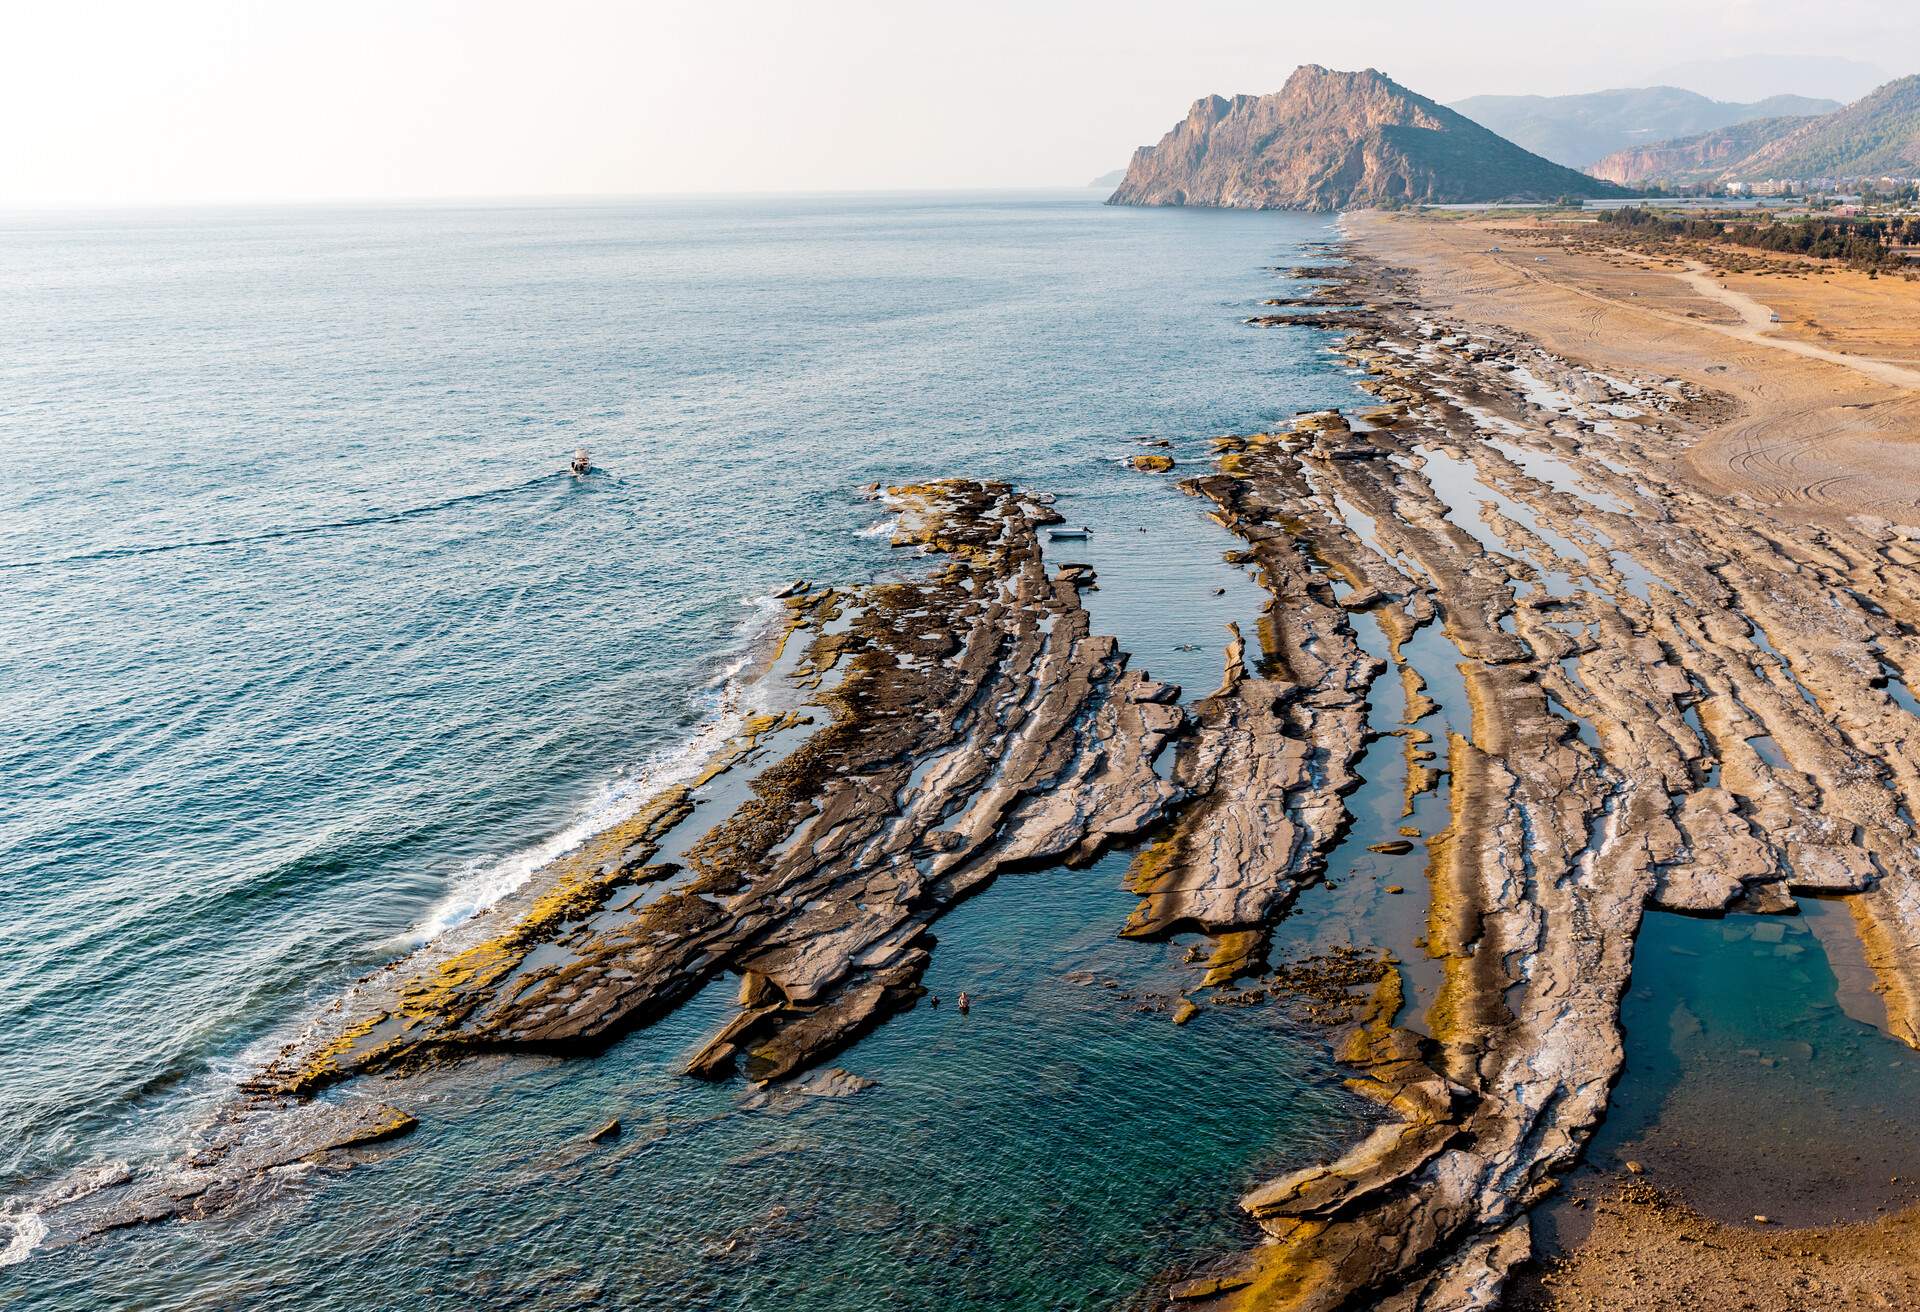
163 101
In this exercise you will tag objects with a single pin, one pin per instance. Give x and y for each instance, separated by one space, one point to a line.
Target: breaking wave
726 699
23 1229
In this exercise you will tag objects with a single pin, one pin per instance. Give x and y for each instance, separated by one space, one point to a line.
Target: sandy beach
1823 408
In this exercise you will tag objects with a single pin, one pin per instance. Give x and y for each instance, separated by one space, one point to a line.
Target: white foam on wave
23 1225
85 1182
23 1228
729 702
884 529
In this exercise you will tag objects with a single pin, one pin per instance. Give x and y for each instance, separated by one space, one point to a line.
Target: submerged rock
834 1083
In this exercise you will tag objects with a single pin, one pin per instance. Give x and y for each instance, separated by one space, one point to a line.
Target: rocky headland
1331 140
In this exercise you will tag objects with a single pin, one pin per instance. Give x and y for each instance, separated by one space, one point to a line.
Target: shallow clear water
1751 1084
308 645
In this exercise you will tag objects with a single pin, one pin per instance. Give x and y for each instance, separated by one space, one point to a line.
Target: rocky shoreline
1677 704
1678 701
946 729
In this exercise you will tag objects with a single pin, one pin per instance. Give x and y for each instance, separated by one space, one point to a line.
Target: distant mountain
1330 140
1696 160
1750 77
1108 181
1876 136
1577 130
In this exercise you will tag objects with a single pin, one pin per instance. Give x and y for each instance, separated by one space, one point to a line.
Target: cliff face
1331 140
1703 157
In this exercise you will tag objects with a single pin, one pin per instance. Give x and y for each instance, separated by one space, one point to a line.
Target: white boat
581 464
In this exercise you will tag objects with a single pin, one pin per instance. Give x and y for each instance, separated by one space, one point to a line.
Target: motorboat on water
581 464
1080 534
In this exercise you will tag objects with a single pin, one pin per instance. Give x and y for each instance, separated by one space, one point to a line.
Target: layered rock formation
1676 703
974 725
978 725
1273 751
1331 140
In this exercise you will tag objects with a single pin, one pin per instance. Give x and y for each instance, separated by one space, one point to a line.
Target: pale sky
106 102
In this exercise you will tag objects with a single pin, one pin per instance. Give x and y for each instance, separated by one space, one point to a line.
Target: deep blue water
307 644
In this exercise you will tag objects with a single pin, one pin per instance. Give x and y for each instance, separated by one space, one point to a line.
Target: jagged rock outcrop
1673 702
1331 140
978 725
974 724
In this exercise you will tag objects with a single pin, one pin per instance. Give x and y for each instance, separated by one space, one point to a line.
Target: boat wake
290 531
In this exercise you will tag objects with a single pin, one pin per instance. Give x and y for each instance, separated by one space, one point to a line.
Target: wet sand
1630 1247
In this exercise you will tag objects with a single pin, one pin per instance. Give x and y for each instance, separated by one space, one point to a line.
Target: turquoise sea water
308 647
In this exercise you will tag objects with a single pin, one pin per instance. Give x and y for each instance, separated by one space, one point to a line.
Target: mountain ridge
1579 130
1699 158
1876 136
